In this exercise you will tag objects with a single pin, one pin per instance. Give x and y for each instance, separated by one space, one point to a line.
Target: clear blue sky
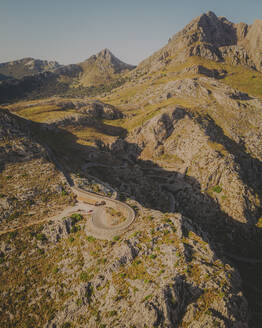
70 31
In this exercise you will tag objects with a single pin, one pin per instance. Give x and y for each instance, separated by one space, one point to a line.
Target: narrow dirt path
66 212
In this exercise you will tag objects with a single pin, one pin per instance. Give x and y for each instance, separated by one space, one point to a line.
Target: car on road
100 203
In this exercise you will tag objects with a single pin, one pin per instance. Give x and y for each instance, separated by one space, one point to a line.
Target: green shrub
79 302
84 276
217 189
90 238
116 238
76 217
64 193
147 297
55 270
41 237
152 256
75 228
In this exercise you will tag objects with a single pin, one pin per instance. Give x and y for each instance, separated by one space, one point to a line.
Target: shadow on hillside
250 169
148 184
15 146
110 130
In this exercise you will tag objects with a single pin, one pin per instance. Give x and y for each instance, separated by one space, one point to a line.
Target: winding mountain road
99 226
86 201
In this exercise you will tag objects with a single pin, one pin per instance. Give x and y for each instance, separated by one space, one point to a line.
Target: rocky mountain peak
106 57
206 18
211 37
102 67
211 29
105 53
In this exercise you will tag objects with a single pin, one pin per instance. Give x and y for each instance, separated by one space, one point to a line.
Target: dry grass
239 77
138 117
115 216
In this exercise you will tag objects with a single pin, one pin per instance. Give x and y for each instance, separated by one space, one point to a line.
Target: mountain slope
18 69
163 272
194 122
28 180
179 141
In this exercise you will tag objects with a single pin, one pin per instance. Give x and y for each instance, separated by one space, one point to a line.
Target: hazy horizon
71 31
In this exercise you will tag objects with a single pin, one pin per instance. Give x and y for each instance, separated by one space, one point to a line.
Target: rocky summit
101 68
132 196
214 38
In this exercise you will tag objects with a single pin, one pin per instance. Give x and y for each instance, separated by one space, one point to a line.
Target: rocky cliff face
213 38
253 42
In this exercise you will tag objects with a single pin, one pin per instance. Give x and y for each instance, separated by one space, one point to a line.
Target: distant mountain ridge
18 69
28 77
207 36
99 68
